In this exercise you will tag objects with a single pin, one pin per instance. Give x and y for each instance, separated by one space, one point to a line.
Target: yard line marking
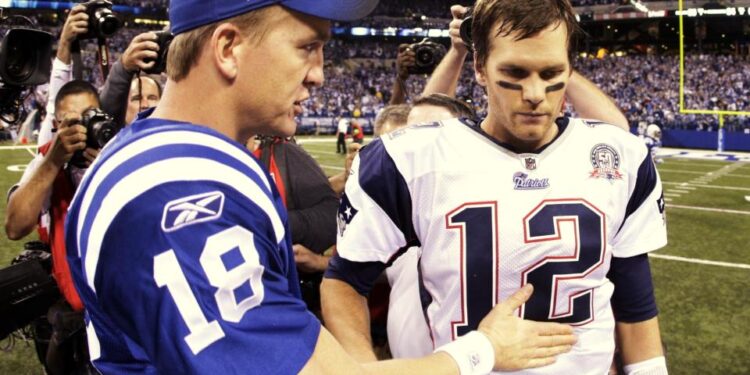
736 175
31 152
668 199
686 172
700 261
709 209
17 147
711 186
678 191
672 195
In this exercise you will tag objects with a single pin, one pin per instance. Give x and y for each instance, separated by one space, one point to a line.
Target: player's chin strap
472 352
653 366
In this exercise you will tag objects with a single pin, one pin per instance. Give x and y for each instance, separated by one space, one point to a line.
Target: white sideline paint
700 261
709 209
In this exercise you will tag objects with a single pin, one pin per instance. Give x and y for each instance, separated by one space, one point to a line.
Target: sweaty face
277 72
525 81
139 101
428 113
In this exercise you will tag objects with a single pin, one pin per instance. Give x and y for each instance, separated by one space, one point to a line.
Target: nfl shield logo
530 163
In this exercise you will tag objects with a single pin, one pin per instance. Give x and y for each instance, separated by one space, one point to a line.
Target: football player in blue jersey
178 240
570 206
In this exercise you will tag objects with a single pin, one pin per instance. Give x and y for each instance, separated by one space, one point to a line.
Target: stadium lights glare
639 5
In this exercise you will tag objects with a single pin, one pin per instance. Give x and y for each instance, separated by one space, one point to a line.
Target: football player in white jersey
569 206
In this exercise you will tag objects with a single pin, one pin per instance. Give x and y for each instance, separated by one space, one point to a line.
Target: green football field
702 277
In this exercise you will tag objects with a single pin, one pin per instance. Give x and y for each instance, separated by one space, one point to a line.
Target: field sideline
702 277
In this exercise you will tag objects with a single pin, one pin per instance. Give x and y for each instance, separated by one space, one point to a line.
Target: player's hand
76 24
141 49
454 28
309 262
406 58
521 344
69 138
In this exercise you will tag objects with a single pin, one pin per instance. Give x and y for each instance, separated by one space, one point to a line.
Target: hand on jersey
69 138
454 28
522 343
141 49
309 262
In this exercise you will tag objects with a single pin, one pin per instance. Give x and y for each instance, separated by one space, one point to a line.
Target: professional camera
428 55
100 129
25 60
163 39
102 20
465 29
27 288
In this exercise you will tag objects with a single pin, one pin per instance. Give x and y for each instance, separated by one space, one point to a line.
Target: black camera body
465 29
103 23
428 55
163 39
100 129
25 61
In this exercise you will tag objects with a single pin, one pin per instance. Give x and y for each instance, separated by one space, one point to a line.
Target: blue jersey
179 247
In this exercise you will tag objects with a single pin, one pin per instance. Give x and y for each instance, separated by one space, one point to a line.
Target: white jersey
489 220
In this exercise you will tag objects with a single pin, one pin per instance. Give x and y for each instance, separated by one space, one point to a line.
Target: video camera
163 39
103 23
27 288
100 129
428 55
25 61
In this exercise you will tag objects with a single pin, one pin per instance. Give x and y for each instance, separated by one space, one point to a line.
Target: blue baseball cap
185 15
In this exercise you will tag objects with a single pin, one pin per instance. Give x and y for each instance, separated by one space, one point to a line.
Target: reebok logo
190 210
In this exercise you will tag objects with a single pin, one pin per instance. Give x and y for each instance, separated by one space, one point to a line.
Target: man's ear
479 71
225 47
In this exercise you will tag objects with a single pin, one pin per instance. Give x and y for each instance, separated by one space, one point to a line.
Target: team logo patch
606 162
191 210
521 181
530 163
345 215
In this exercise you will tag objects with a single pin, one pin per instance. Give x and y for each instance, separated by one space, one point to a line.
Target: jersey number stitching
167 272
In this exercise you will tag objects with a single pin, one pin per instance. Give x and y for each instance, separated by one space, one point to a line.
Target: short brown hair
186 47
455 106
525 17
397 114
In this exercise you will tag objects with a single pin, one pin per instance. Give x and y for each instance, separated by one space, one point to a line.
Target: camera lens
424 57
107 23
21 62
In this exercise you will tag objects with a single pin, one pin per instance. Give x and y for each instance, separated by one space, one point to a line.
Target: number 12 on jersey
480 260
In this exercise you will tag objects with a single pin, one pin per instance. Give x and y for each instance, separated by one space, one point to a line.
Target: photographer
406 59
42 197
62 68
123 85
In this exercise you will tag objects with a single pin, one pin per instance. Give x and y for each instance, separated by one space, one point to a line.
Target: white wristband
653 366
472 352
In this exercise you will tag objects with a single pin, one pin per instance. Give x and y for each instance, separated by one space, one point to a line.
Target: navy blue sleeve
633 299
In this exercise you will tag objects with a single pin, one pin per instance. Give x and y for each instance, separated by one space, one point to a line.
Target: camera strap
103 53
